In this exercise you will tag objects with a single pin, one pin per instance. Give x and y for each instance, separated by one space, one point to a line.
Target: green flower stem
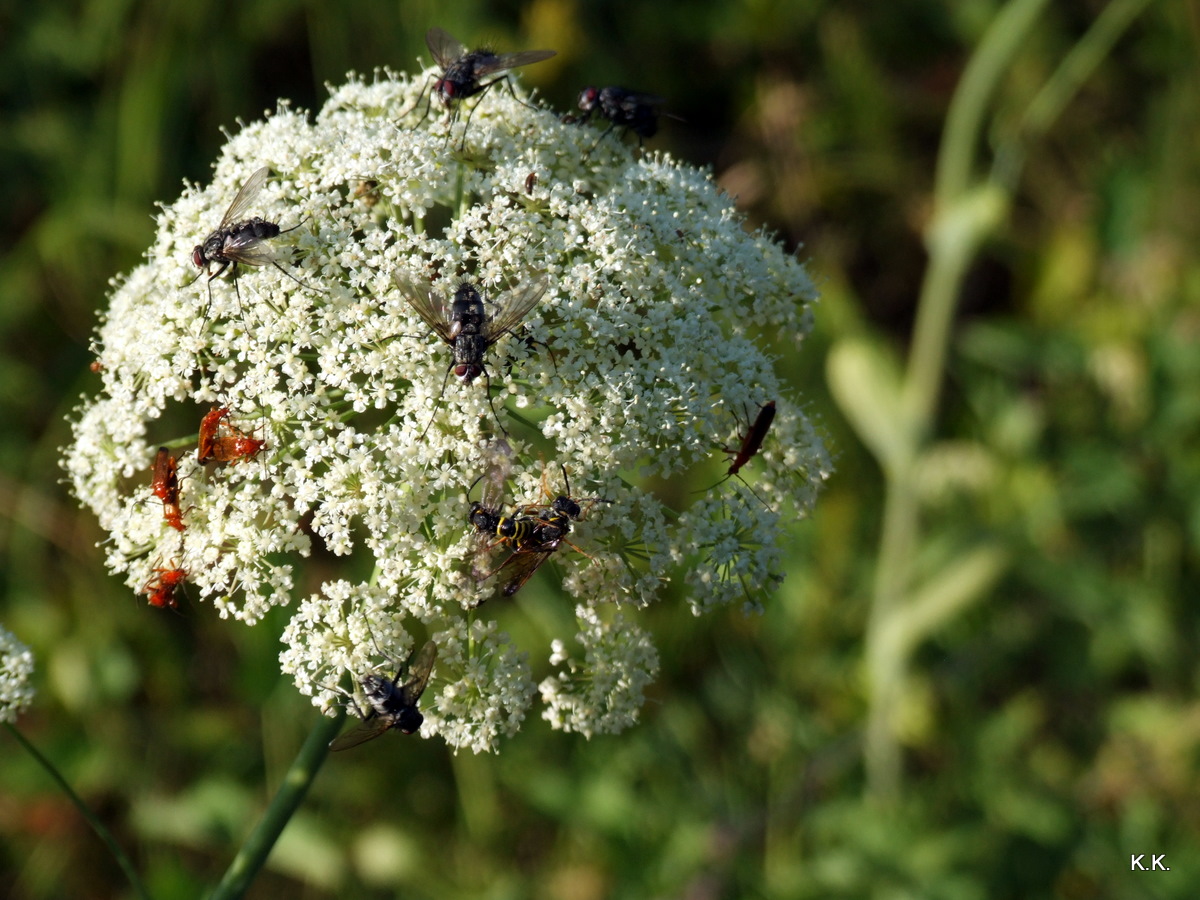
963 218
966 212
105 835
965 117
291 793
1078 65
1075 68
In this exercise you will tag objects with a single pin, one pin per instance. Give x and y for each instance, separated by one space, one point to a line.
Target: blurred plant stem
894 412
287 800
105 835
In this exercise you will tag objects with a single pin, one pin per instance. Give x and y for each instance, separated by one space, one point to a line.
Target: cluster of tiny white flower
603 694
16 668
646 356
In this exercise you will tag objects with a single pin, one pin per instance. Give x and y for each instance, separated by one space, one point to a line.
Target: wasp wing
491 494
446 48
520 566
419 668
513 306
245 196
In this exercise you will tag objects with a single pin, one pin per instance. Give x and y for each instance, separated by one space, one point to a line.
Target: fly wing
444 46
633 99
428 305
364 731
245 196
252 251
514 305
419 669
505 61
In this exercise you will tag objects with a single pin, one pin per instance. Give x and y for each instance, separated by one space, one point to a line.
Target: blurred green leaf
865 380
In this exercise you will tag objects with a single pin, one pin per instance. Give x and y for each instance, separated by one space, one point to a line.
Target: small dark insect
222 441
367 191
241 241
631 110
464 71
392 704
96 366
530 181
538 537
165 485
493 526
537 531
160 591
486 514
468 328
751 443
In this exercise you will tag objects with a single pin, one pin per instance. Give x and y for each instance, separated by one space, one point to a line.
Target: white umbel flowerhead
16 668
385 409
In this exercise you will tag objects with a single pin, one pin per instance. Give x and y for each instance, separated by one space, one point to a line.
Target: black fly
631 110
392 704
241 241
465 72
467 326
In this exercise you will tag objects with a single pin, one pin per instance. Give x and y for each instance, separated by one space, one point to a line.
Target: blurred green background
1043 731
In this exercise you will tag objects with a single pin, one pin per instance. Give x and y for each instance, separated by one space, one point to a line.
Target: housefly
239 240
631 110
465 72
392 703
468 327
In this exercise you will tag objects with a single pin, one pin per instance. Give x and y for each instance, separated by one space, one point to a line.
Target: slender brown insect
753 439
160 591
530 181
165 485
222 441
751 443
